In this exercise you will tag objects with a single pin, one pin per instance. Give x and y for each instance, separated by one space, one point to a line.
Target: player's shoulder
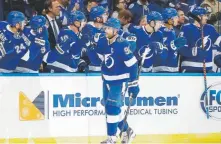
67 31
28 32
90 24
163 29
123 46
3 24
130 37
187 26
133 5
209 26
158 33
120 40
141 31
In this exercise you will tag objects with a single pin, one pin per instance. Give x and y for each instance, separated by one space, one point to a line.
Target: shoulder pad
210 26
131 6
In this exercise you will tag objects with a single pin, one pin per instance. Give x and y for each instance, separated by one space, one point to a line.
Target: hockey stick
204 71
130 96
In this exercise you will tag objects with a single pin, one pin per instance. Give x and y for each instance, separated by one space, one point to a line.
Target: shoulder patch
131 6
127 50
120 39
131 38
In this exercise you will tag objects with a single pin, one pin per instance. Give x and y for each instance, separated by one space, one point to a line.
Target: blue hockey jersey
72 5
193 54
131 28
13 46
63 17
170 64
90 36
68 60
97 51
120 64
32 60
138 10
154 55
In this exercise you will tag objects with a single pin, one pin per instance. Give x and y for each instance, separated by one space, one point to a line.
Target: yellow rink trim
214 138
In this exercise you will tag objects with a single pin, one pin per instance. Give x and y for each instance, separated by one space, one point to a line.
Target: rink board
141 139
66 108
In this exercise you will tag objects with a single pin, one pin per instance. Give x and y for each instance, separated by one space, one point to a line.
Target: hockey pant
113 101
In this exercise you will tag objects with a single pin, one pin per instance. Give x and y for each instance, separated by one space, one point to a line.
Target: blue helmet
154 16
199 11
169 13
15 17
37 22
96 11
76 16
113 22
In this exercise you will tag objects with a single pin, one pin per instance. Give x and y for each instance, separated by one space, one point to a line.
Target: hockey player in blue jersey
63 17
119 69
13 43
170 64
67 58
149 37
94 37
93 28
139 9
38 35
193 54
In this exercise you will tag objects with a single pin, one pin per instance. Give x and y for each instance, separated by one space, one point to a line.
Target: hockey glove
157 46
133 89
217 60
178 43
82 66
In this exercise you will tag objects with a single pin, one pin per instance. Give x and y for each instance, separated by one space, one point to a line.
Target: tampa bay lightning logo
211 100
109 61
206 41
149 53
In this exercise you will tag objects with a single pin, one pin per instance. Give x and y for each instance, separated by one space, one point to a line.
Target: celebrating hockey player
13 43
170 64
200 38
98 16
119 70
38 35
68 57
149 37
63 17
